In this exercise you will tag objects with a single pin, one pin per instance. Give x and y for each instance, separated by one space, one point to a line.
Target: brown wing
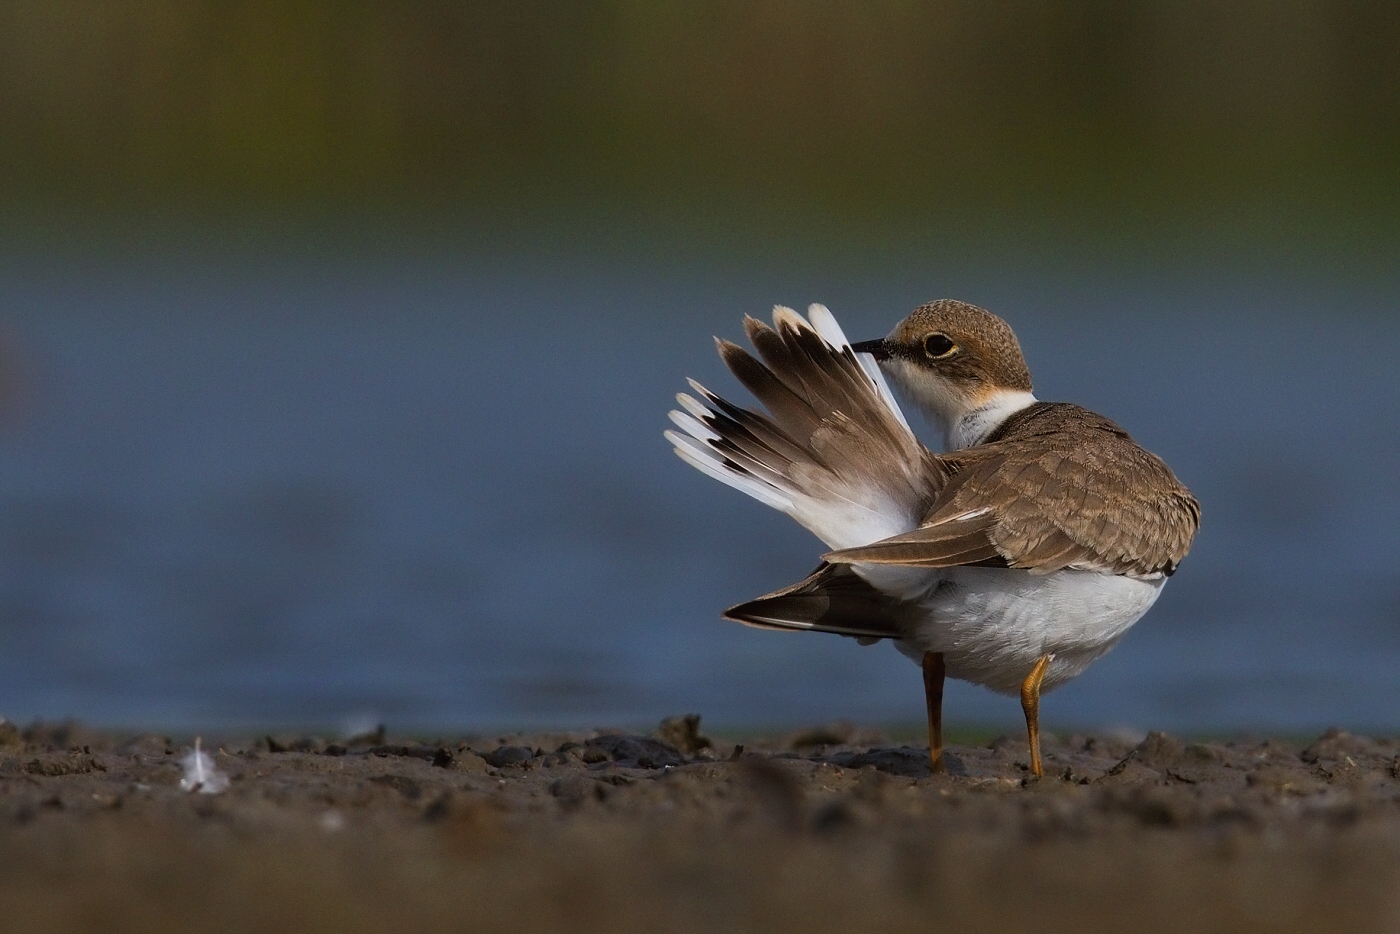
1064 488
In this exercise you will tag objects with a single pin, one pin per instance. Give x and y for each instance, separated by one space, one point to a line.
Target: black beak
877 348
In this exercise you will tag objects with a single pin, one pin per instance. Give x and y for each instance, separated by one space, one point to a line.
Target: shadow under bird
1012 561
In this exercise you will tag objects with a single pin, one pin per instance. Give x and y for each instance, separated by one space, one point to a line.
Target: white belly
992 624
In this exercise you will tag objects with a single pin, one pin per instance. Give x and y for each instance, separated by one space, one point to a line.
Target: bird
1012 558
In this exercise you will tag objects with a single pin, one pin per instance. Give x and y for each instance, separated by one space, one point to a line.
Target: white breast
992 624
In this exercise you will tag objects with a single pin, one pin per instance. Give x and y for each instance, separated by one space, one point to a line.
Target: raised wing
833 451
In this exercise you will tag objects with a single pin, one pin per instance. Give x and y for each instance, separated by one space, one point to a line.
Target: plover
1012 561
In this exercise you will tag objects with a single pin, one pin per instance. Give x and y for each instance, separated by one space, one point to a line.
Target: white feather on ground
200 773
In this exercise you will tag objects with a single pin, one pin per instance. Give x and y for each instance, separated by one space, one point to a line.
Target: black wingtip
745 614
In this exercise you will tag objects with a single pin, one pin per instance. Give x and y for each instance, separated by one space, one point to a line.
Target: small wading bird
1012 561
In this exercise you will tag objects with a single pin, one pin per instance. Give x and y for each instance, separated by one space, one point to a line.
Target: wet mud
828 829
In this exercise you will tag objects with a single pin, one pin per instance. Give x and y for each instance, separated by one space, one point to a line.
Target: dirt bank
825 830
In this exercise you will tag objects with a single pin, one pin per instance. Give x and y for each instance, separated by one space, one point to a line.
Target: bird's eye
938 345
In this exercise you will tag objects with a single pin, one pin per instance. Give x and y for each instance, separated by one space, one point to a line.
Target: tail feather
833 450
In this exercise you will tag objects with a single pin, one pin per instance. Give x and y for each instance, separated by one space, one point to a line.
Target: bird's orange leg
1030 704
934 673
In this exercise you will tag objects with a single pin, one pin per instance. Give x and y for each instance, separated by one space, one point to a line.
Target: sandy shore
830 829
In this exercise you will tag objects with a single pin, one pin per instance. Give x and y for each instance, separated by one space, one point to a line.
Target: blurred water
242 494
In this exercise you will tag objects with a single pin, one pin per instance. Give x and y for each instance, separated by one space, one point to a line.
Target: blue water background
434 492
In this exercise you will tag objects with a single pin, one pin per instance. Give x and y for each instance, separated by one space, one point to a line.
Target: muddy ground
831 829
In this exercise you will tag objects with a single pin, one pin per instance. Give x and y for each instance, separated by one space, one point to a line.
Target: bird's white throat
963 419
974 426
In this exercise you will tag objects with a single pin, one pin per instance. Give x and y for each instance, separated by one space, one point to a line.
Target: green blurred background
1183 129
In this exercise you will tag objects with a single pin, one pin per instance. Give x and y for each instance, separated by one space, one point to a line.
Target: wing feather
1079 495
832 449
833 598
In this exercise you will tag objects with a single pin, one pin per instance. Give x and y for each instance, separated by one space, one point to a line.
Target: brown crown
988 350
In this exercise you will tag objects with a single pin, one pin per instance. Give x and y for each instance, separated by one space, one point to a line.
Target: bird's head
954 360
